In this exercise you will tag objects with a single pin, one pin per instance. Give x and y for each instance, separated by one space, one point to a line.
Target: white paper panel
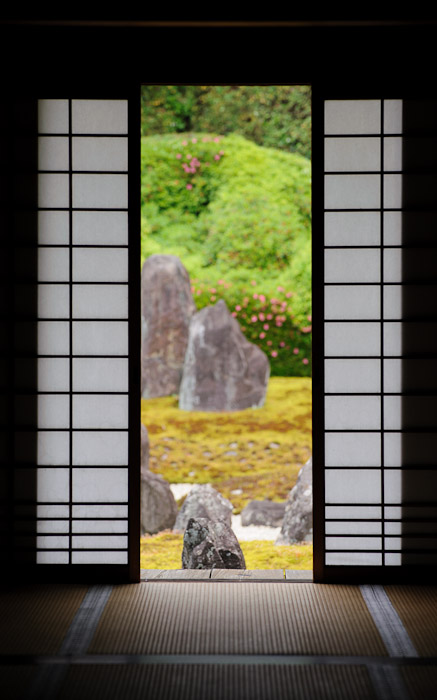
393 449
53 116
356 543
396 543
53 374
99 542
100 338
352 116
352 154
53 411
392 376
393 116
53 264
392 413
353 486
392 559
352 191
352 339
100 301
392 191
52 511
393 486
53 485
392 301
99 191
100 511
100 265
392 228
352 412
100 228
392 338
97 486
350 376
99 116
102 374
78 557
352 449
393 153
53 153
53 337
53 191
353 559
352 512
53 527
393 265
357 265
393 512
96 411
352 228
352 302
53 301
53 227
353 528
53 447
102 154
52 557
100 526
393 528
100 448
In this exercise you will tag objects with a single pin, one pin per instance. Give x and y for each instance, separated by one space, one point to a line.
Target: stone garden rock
166 307
211 544
223 371
158 505
297 525
265 513
203 501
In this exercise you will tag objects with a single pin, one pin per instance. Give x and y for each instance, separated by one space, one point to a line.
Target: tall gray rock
223 371
297 525
166 307
210 544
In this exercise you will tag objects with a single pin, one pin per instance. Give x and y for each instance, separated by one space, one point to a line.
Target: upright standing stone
223 371
166 307
158 506
211 544
297 525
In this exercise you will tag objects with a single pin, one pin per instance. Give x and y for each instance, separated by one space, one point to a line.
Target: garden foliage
238 216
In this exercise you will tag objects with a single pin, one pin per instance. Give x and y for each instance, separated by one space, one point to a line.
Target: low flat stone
297 525
265 513
203 501
211 544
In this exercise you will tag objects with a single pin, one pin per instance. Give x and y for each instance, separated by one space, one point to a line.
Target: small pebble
237 492
207 454
230 453
274 445
233 445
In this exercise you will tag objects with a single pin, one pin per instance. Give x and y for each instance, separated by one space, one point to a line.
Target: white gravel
243 534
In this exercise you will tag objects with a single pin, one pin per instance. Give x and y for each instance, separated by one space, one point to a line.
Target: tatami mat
35 619
417 608
201 682
236 618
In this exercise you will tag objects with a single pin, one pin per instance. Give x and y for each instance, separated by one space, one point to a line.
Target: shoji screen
379 336
79 426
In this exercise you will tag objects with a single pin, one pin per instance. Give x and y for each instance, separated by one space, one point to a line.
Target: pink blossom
189 187
289 294
246 301
255 296
274 353
234 313
282 344
192 290
306 329
262 297
269 342
269 317
178 155
184 143
309 318
213 297
194 140
199 291
216 139
296 351
238 307
222 153
278 324
266 326
262 335
213 290
261 317
221 282
253 283
280 289
305 361
216 157
189 156
254 319
205 139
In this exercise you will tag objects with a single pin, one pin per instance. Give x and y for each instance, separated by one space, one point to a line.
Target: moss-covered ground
164 551
245 455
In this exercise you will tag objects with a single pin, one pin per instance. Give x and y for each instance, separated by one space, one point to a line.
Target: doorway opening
226 251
